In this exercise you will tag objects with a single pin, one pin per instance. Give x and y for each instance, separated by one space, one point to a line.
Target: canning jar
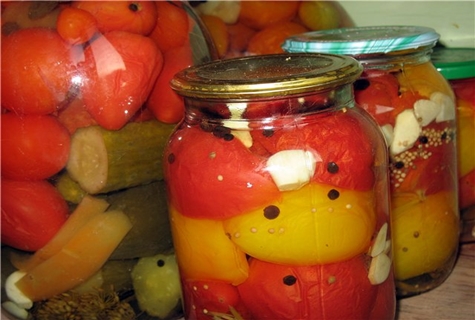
415 108
457 65
278 192
86 112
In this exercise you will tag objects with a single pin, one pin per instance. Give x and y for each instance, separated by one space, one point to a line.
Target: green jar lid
362 40
454 63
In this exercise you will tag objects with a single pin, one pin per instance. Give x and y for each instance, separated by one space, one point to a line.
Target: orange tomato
133 16
261 14
75 25
218 31
239 36
172 26
36 78
270 39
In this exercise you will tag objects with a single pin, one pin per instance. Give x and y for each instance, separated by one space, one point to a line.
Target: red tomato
210 296
374 92
329 291
172 27
167 105
32 213
215 177
465 90
467 190
118 76
345 152
34 147
428 167
36 71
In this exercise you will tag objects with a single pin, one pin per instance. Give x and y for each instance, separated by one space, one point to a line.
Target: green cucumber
146 207
69 189
102 160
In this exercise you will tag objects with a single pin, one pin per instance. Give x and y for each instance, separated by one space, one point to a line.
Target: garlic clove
406 131
15 310
388 133
15 294
291 169
380 242
447 106
379 269
228 10
426 111
244 136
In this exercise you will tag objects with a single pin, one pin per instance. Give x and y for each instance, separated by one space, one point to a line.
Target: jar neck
259 109
395 59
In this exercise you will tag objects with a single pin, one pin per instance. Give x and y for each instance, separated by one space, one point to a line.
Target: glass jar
457 65
86 113
415 108
278 192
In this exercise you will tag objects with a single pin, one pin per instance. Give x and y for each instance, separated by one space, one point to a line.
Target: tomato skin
76 26
32 213
167 105
172 27
329 291
36 77
210 296
118 77
34 147
132 16
232 171
430 174
338 139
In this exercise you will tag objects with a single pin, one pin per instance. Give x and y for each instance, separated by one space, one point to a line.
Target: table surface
453 299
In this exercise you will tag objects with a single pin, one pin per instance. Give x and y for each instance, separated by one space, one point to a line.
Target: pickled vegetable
81 257
157 284
103 161
146 207
87 209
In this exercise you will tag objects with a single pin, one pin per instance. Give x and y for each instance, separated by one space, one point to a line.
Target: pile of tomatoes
67 65
260 27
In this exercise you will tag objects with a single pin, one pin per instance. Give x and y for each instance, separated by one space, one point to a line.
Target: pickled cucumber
69 189
102 160
146 208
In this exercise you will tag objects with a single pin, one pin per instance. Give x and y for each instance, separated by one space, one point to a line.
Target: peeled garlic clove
379 269
447 105
388 133
406 132
15 310
426 111
291 169
15 294
244 136
239 126
380 242
228 11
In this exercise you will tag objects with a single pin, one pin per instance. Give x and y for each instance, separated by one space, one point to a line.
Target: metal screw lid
266 76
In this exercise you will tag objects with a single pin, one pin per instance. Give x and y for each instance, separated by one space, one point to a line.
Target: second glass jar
278 192
415 108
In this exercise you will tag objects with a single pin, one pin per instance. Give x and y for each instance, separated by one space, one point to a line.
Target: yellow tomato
425 232
424 79
316 224
203 250
465 135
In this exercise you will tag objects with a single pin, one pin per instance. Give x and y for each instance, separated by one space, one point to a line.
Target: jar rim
264 76
362 40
